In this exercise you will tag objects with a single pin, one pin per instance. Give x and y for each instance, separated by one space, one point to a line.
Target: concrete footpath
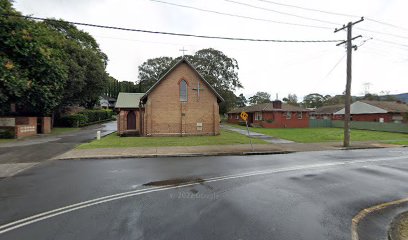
214 150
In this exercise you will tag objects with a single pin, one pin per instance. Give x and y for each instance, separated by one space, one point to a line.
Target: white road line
59 211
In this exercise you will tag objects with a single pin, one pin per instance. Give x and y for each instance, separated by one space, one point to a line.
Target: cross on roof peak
183 50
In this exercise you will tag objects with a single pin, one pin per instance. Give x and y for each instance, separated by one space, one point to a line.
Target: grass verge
7 140
309 135
114 141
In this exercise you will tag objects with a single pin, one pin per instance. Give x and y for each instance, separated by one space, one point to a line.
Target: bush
242 123
75 120
97 115
7 133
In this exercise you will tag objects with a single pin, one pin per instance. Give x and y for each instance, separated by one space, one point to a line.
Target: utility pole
349 46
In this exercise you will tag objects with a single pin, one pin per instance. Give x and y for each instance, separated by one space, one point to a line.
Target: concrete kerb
175 155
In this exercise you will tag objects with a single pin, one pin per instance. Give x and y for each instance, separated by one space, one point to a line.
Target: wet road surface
43 148
312 195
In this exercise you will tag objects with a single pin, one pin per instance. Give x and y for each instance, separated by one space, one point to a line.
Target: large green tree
151 71
313 100
44 65
241 101
32 69
87 77
291 99
260 97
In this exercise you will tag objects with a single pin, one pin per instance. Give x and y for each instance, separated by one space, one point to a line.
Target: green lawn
114 141
309 135
61 130
400 142
7 140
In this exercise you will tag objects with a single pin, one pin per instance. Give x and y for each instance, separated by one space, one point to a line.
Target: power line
175 34
283 13
382 33
307 9
333 13
334 67
240 16
405 46
278 22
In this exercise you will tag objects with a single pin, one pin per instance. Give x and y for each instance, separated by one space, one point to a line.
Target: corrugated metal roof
372 107
388 106
128 100
268 107
194 69
329 109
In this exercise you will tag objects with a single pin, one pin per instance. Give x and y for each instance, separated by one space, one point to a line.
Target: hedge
7 133
84 118
75 120
97 115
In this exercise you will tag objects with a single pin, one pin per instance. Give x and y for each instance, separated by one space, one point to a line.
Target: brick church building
180 103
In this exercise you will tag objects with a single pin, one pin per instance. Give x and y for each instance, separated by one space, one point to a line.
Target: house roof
388 106
372 107
328 109
183 60
128 100
268 107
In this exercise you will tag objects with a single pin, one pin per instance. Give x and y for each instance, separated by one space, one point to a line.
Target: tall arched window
183 91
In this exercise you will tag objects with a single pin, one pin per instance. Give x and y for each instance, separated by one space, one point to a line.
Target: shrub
269 121
97 115
75 120
242 123
7 133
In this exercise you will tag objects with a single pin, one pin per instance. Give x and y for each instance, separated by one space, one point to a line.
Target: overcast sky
277 68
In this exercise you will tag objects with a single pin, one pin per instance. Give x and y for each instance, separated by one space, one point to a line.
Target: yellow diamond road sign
244 116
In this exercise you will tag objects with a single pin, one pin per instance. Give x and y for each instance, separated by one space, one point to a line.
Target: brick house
325 112
180 103
376 111
272 115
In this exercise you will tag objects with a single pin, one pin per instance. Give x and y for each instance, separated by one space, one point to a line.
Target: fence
374 126
320 123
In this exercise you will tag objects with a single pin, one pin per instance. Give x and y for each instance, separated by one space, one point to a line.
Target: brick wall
122 122
388 117
167 115
25 126
46 125
278 120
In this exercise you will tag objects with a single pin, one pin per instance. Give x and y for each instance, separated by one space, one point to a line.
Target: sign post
244 116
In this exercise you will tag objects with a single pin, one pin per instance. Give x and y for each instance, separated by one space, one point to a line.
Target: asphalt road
312 195
42 148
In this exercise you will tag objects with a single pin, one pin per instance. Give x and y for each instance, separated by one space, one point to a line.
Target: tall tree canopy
260 97
313 100
241 101
32 73
291 99
47 64
218 69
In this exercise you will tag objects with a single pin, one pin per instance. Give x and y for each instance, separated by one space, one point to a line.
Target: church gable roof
183 60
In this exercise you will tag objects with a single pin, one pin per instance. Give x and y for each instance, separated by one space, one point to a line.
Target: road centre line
70 208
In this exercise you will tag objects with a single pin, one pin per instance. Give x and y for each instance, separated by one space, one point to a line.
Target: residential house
325 112
376 111
180 103
272 115
107 102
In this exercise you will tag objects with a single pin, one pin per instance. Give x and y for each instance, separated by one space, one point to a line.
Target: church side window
183 91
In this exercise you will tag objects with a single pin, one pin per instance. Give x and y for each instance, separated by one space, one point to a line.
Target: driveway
17 156
261 136
305 195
